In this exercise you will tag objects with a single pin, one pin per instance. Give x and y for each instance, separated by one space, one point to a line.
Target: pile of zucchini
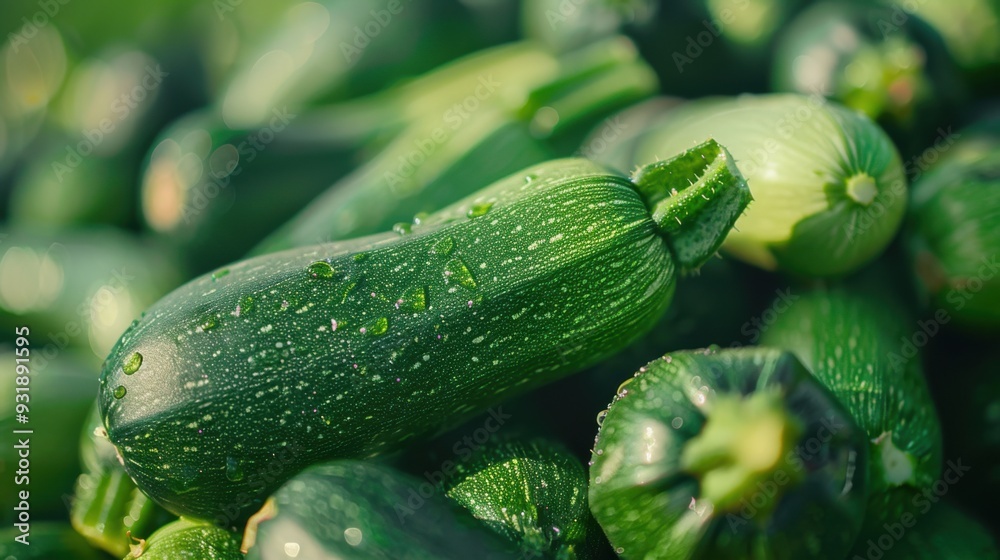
579 283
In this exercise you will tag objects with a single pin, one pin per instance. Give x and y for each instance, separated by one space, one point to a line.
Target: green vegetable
953 234
185 539
212 192
562 27
927 532
825 180
844 50
968 28
106 505
46 541
343 351
79 289
533 493
59 394
728 454
852 344
458 149
349 510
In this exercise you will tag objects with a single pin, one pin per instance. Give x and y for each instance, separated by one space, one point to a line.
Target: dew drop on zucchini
402 228
412 299
234 470
443 247
378 327
456 271
132 364
119 391
320 269
478 210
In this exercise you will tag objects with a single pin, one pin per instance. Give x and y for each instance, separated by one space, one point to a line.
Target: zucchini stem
862 188
695 199
744 445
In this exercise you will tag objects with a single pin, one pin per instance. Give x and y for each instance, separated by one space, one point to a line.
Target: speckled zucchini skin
534 494
361 510
185 539
254 372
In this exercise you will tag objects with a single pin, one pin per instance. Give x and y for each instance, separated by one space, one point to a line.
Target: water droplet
444 246
246 304
413 299
353 536
219 274
234 471
601 416
402 228
677 422
530 177
132 364
209 323
420 217
378 327
120 391
456 271
320 269
360 257
480 209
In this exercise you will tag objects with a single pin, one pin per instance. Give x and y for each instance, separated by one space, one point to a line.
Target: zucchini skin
651 507
185 539
531 492
850 342
106 505
354 510
268 365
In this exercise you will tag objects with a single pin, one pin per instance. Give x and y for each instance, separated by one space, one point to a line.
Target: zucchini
58 395
209 191
904 79
968 28
927 531
533 493
455 151
79 289
499 286
953 236
353 510
185 539
825 180
850 341
734 453
106 506
46 541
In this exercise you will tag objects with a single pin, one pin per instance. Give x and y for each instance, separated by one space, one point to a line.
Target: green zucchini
289 359
185 539
455 151
58 395
106 506
852 343
46 541
953 236
562 27
968 28
532 493
353 510
210 191
904 79
79 289
734 453
825 180
926 530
